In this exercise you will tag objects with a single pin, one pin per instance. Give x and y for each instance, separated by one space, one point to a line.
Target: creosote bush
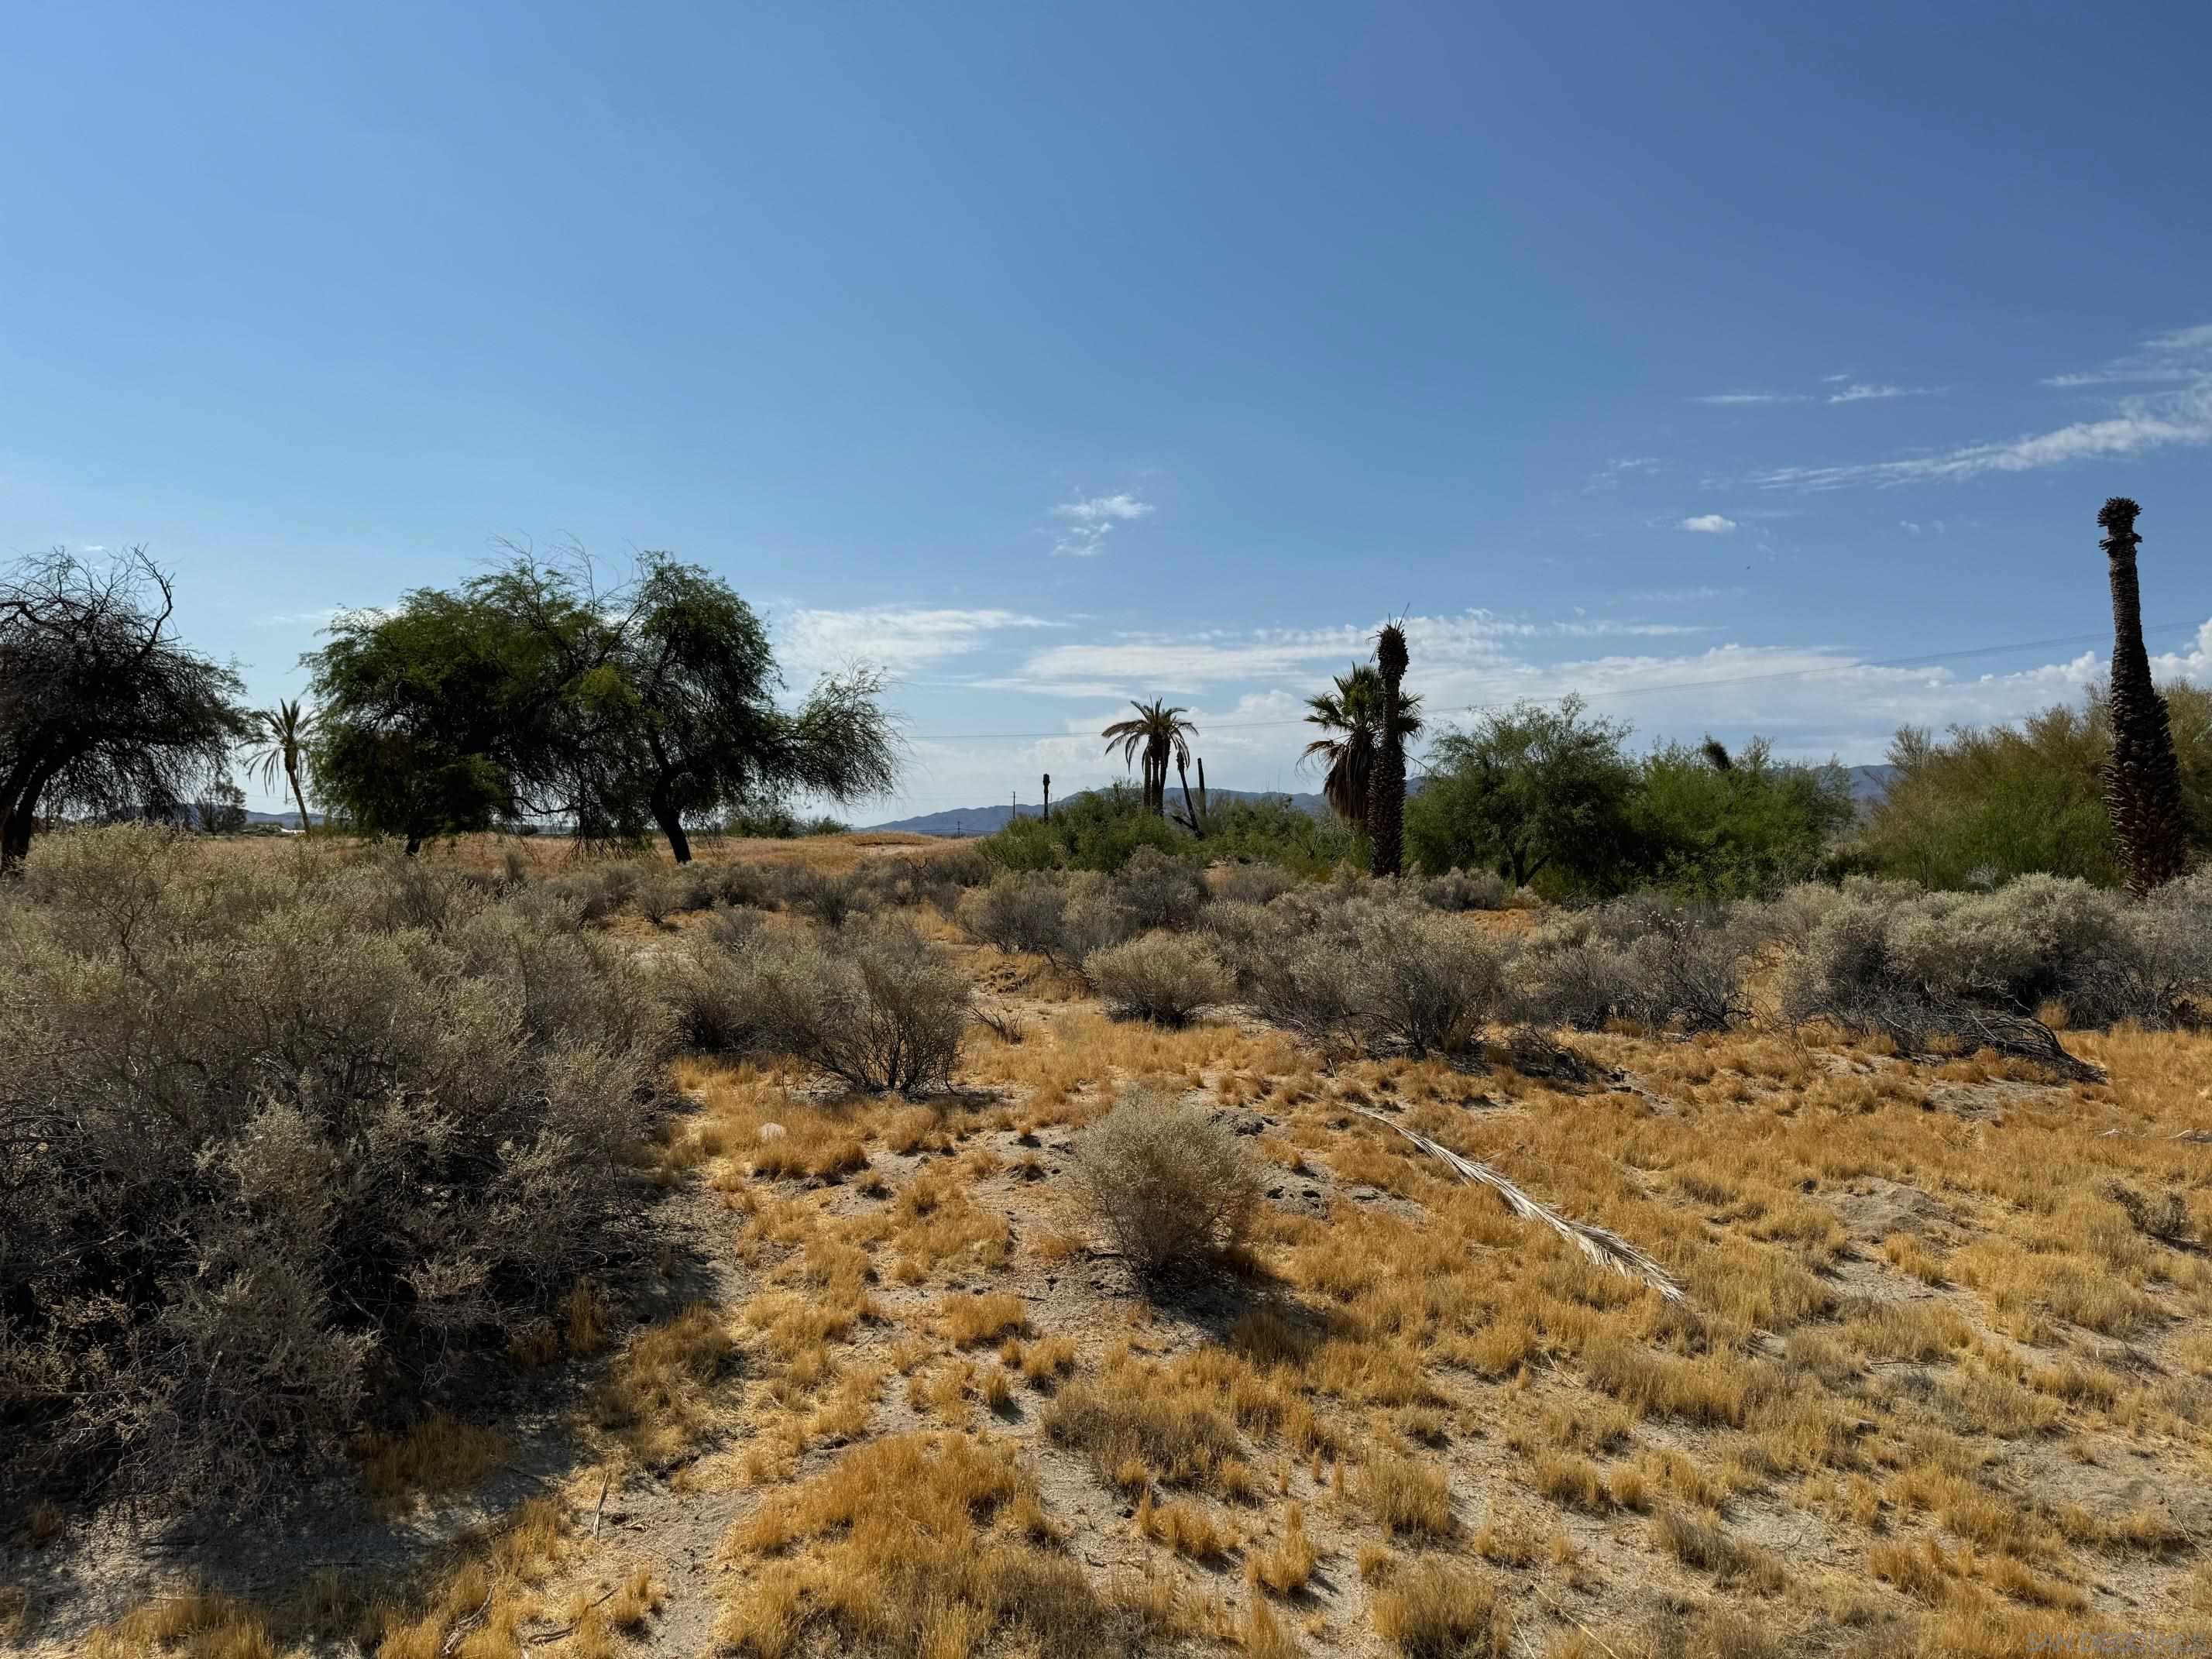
874 1004
1170 1181
285 1140
1885 956
1161 976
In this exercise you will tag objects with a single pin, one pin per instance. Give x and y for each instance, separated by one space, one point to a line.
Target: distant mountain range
1868 785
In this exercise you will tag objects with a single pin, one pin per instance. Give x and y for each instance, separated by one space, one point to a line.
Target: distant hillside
1871 783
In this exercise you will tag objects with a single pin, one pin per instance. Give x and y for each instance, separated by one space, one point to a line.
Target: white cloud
898 637
1090 520
1859 392
1609 476
1247 694
1729 398
1148 665
1708 524
2142 424
2182 355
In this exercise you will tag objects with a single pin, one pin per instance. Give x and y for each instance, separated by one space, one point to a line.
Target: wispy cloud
1086 523
899 637
1609 476
1859 392
1729 398
1145 664
2138 423
322 618
2144 425
1708 524
2182 355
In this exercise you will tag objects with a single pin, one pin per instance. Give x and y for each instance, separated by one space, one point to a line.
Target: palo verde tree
2142 779
103 709
1156 734
1386 792
534 692
428 714
662 701
1532 790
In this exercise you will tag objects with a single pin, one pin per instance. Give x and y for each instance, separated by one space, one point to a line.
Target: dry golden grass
922 1544
1925 1340
438 1456
658 1397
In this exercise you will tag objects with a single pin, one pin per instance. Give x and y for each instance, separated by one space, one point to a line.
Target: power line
1927 659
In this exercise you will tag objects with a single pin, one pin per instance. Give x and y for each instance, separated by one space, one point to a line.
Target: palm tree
2142 779
1386 790
1353 713
1158 734
283 731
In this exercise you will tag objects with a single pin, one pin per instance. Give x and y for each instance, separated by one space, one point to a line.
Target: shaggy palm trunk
292 776
1048 798
1386 789
2142 779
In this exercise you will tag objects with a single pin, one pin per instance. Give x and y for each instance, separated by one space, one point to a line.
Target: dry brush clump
875 1004
1161 976
1170 1181
1977 969
285 1142
1380 972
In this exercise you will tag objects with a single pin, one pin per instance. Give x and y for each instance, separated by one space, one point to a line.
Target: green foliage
1098 829
1551 798
1272 830
1990 803
430 713
532 691
1530 791
1103 828
1708 825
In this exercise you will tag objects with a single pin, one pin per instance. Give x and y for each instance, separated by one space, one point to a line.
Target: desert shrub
722 993
659 896
1169 1181
1464 889
1649 959
885 1012
1360 962
742 885
1098 830
1064 917
1887 957
1161 976
595 892
1159 891
1253 883
1426 984
286 1144
831 898
1023 910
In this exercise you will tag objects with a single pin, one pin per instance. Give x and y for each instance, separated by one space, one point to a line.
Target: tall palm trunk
292 777
2142 779
1386 790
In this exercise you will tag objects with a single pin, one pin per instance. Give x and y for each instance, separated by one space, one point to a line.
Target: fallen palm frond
1602 1245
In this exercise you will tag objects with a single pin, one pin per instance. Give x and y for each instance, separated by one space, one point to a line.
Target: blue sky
1691 357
